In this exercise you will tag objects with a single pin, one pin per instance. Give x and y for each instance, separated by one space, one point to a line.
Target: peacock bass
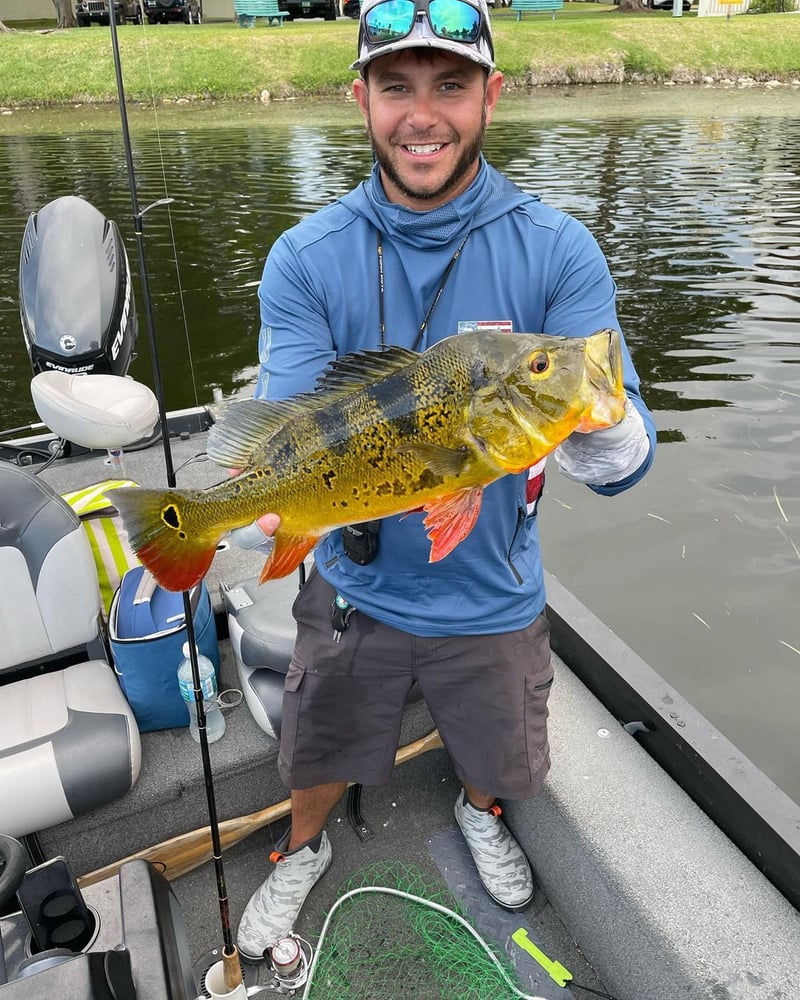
383 433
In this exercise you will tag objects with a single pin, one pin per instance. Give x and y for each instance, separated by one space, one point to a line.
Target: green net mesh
381 946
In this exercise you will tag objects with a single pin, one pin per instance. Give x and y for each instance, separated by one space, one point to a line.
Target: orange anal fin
287 554
450 519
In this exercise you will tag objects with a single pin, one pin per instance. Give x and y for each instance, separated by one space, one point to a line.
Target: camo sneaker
502 866
274 906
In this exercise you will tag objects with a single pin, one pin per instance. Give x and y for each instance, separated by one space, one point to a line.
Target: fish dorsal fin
351 372
246 424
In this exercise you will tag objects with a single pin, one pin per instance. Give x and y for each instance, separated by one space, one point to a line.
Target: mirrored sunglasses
455 20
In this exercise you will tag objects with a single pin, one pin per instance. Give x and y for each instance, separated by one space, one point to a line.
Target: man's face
426 111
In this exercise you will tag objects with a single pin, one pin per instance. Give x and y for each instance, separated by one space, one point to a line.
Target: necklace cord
442 282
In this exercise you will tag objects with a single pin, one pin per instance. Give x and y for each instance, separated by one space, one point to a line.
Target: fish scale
382 434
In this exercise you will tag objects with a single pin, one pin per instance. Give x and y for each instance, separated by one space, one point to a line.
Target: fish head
534 390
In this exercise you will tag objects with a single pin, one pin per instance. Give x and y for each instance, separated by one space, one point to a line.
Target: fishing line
232 972
166 202
589 989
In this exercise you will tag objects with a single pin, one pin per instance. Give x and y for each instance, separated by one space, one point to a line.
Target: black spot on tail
170 516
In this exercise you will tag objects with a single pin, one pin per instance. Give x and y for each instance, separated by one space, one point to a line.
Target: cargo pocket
294 678
536 714
292 699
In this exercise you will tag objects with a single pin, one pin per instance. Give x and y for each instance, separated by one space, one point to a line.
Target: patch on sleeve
485 326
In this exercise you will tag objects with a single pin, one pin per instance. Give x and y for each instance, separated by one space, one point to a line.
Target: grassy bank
586 43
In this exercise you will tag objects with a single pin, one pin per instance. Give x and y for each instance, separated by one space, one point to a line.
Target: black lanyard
443 281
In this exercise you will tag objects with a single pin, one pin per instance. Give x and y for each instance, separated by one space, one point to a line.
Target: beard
465 162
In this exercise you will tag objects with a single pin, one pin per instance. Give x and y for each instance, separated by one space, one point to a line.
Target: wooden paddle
187 851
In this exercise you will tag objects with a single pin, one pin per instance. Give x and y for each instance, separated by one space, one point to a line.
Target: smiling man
435 242
426 113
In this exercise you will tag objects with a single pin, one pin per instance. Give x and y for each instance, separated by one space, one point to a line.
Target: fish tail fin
168 535
287 554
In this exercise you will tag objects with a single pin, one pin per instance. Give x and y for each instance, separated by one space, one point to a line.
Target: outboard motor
75 293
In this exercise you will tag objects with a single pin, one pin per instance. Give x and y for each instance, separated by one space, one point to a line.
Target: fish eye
540 362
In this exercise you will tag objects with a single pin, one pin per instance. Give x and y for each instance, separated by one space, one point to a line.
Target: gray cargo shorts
343 701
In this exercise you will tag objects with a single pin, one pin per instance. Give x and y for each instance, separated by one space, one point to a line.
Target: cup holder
69 925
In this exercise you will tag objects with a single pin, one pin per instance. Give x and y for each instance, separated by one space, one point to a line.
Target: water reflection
700 219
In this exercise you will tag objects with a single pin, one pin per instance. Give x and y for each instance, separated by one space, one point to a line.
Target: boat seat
95 411
68 739
262 633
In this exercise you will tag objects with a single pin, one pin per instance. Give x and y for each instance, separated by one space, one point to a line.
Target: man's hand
257 536
608 456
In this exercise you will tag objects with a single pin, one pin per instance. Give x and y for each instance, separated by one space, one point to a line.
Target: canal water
694 194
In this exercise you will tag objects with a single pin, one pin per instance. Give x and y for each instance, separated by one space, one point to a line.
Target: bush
772 6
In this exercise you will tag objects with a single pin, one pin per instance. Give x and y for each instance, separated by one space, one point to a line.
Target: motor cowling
75 292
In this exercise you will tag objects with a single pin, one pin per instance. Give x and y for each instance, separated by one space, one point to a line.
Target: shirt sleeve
295 343
581 299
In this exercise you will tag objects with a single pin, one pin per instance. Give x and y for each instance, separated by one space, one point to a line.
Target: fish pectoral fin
440 460
450 519
287 554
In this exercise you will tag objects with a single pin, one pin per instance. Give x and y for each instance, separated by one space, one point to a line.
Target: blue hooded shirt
526 266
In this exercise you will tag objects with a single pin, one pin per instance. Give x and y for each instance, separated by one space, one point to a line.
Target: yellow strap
113 556
92 499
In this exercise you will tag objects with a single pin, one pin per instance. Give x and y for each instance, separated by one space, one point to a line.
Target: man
433 242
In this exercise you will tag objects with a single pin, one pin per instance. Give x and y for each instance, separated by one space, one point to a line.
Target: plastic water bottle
215 720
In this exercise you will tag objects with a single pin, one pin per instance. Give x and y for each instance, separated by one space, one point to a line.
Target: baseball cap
459 26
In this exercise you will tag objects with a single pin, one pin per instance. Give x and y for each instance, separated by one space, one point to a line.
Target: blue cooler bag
147 631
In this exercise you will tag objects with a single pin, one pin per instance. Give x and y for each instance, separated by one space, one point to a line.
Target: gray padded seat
262 633
68 739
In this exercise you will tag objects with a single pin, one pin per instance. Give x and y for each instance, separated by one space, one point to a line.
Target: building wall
712 8
38 10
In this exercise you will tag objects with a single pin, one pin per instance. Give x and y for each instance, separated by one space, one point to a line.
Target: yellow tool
555 970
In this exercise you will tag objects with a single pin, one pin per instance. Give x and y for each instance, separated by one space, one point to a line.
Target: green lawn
586 43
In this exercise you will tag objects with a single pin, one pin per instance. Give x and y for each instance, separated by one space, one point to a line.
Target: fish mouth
603 386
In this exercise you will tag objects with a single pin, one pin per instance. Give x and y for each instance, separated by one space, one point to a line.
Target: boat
667 864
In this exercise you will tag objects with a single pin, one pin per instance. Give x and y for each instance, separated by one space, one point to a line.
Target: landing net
395 933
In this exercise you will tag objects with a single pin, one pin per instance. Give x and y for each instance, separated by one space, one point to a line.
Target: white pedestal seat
95 411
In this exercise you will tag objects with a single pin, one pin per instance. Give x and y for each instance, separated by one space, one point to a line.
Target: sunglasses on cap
391 20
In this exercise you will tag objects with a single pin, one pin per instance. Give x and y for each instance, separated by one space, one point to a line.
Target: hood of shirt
488 197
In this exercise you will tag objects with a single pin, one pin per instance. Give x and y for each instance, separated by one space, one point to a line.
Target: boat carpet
408 818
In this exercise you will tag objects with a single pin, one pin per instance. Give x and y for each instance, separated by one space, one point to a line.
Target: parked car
87 11
329 9
686 5
161 11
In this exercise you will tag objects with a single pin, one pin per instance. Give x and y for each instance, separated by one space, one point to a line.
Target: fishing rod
232 970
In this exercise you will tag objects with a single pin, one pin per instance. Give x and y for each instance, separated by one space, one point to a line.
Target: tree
632 7
66 15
